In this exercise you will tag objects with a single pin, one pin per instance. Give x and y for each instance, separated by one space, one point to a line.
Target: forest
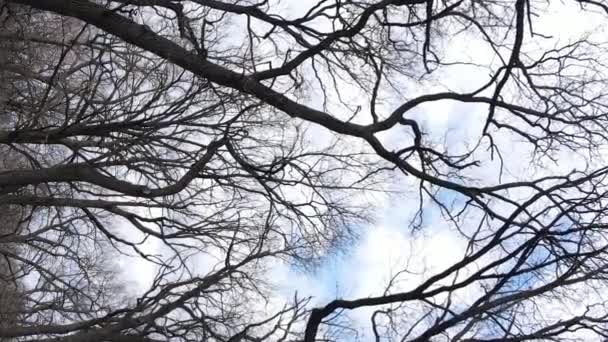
310 170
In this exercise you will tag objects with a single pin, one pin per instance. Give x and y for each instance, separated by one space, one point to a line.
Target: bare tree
190 123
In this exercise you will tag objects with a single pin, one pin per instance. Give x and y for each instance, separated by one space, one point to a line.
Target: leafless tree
191 123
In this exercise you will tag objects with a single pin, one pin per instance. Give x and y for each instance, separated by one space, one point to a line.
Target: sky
389 245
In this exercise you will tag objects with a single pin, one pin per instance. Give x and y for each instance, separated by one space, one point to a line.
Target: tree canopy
211 140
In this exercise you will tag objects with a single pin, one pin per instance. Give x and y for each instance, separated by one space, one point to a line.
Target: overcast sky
389 245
